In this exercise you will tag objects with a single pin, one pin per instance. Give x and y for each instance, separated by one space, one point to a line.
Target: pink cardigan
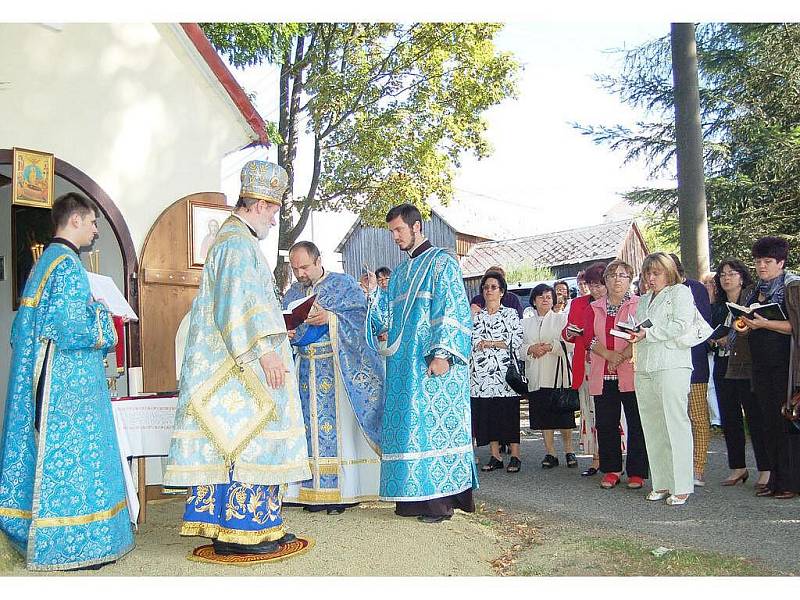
596 327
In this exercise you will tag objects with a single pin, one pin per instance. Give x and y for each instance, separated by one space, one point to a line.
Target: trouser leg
636 460
701 427
732 423
607 407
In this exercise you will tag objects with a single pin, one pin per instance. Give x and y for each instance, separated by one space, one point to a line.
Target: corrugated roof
548 249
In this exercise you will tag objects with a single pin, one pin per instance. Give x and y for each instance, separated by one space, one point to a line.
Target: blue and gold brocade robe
229 424
341 389
62 493
426 434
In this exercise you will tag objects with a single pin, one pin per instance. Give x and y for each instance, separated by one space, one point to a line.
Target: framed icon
33 178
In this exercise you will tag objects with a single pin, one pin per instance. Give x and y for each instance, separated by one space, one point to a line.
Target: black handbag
564 399
515 374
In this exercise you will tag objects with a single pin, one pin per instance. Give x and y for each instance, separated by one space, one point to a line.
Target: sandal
571 460
549 461
514 465
609 481
492 465
590 472
635 482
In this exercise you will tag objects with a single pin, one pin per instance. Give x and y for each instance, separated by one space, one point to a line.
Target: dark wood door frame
130 263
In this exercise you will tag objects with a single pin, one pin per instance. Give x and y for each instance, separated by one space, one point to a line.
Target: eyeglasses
618 276
729 274
490 288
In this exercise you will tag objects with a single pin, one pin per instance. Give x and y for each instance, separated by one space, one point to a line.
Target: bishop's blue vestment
62 493
341 390
426 434
236 440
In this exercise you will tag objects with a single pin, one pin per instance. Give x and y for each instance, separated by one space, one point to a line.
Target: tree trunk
689 139
287 153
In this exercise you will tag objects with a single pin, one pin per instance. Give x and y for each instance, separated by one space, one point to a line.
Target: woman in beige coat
663 368
541 349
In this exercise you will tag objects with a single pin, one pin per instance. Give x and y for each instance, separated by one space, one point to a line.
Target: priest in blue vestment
62 492
239 432
341 387
427 462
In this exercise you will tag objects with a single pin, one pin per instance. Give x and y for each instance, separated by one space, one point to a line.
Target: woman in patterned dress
496 333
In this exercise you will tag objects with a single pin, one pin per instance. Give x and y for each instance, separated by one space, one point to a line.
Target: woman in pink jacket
611 380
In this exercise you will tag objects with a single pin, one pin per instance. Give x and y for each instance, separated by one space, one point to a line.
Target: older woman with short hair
496 333
611 380
541 349
663 369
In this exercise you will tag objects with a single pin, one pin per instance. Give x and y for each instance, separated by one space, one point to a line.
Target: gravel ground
367 540
729 520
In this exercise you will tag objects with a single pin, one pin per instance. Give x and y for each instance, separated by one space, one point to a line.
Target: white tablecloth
144 427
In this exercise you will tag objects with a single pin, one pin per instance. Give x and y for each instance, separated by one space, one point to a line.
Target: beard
410 246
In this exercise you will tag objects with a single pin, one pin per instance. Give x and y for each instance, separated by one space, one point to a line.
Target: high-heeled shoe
655 495
742 477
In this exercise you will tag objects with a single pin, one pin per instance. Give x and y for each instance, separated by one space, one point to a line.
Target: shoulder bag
515 375
564 399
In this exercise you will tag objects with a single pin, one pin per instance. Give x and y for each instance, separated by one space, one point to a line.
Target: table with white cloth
144 427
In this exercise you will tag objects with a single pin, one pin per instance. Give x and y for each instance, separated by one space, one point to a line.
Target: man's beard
411 244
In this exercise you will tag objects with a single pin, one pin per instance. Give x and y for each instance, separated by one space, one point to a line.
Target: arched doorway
119 227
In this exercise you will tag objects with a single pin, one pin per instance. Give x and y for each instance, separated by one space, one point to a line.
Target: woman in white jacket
541 349
663 367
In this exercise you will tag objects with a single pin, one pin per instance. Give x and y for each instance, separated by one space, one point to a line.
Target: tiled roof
549 249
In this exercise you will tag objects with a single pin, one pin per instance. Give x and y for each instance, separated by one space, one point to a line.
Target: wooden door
168 284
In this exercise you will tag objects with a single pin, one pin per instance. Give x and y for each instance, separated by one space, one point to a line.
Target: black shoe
314 508
492 465
432 519
336 510
571 460
549 461
287 537
514 465
589 472
228 548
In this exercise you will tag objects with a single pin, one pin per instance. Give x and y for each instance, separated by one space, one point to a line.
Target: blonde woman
663 369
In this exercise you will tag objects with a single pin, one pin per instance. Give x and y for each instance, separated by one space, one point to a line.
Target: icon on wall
33 178
204 223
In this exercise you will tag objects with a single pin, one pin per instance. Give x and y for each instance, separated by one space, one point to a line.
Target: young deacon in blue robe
341 387
427 465
62 493
239 431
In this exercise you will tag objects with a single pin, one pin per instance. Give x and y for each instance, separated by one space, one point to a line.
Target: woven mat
296 547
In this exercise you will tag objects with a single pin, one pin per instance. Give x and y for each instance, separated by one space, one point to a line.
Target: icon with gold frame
33 178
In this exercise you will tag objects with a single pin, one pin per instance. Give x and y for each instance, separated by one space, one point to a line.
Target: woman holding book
543 351
611 380
663 369
578 314
731 373
770 342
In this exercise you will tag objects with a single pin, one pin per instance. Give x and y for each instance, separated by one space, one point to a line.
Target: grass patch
575 554
9 558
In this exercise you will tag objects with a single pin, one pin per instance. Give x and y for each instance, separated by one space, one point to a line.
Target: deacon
427 464
341 387
62 492
238 427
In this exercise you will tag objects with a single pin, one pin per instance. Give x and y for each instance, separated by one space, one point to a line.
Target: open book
103 288
625 329
771 311
574 329
297 311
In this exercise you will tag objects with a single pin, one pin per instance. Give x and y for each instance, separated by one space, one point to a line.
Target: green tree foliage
749 94
527 272
388 108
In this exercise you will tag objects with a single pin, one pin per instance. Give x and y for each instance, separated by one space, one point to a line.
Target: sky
541 166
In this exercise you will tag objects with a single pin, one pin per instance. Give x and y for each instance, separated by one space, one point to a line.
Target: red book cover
297 311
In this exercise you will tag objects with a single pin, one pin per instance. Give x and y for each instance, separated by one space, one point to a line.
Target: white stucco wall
124 103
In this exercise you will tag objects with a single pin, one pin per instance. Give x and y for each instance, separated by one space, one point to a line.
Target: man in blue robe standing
239 432
62 492
341 387
427 462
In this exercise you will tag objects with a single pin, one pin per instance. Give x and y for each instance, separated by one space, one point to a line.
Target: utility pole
692 215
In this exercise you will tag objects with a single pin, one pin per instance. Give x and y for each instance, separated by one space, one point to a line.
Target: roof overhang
219 74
